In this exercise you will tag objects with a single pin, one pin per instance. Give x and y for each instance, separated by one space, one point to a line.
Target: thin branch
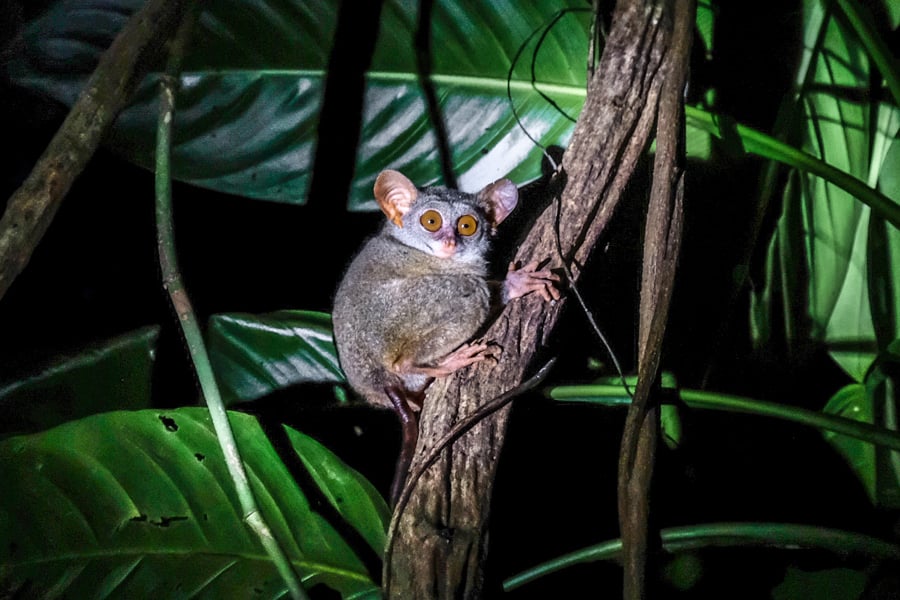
440 542
31 208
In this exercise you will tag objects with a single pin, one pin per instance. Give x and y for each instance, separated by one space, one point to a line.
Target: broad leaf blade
826 286
873 402
255 355
253 83
114 375
365 507
852 402
140 505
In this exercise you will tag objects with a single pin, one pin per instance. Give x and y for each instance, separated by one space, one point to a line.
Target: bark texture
662 242
31 208
437 542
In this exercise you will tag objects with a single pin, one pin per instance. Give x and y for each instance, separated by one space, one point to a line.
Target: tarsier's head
443 222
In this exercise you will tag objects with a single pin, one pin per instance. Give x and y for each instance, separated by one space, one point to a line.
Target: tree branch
438 544
31 208
662 241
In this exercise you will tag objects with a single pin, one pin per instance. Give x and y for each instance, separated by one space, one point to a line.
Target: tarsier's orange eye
431 220
467 225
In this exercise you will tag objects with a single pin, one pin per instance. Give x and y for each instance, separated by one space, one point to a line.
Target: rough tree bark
438 544
138 47
662 242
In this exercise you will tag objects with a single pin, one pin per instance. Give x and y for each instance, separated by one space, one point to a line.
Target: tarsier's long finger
528 279
545 281
527 268
545 290
465 355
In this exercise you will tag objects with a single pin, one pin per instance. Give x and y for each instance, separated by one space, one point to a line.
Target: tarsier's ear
395 195
499 199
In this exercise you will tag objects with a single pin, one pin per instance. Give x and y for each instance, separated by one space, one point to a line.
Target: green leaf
614 395
140 505
883 253
248 112
357 500
860 20
113 375
881 389
875 403
255 355
706 19
845 253
852 402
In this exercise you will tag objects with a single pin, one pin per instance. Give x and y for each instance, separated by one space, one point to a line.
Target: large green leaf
255 355
874 403
114 375
253 83
829 253
140 505
851 402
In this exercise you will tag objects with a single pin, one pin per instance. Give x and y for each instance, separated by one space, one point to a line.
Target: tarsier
417 293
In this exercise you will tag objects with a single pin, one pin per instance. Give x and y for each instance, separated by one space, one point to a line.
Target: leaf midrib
405 77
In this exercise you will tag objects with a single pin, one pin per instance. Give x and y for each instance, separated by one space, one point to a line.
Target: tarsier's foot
465 355
468 354
529 279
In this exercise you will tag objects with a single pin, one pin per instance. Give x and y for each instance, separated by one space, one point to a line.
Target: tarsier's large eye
467 225
431 220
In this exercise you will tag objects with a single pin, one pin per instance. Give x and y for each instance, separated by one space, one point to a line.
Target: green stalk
614 395
756 142
785 536
187 318
881 55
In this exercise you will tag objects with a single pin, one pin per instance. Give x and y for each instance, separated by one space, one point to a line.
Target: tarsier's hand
527 279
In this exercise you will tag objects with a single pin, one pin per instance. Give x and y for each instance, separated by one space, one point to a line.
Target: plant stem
786 536
614 395
662 242
187 318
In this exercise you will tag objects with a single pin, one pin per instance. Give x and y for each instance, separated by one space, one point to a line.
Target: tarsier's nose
446 247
